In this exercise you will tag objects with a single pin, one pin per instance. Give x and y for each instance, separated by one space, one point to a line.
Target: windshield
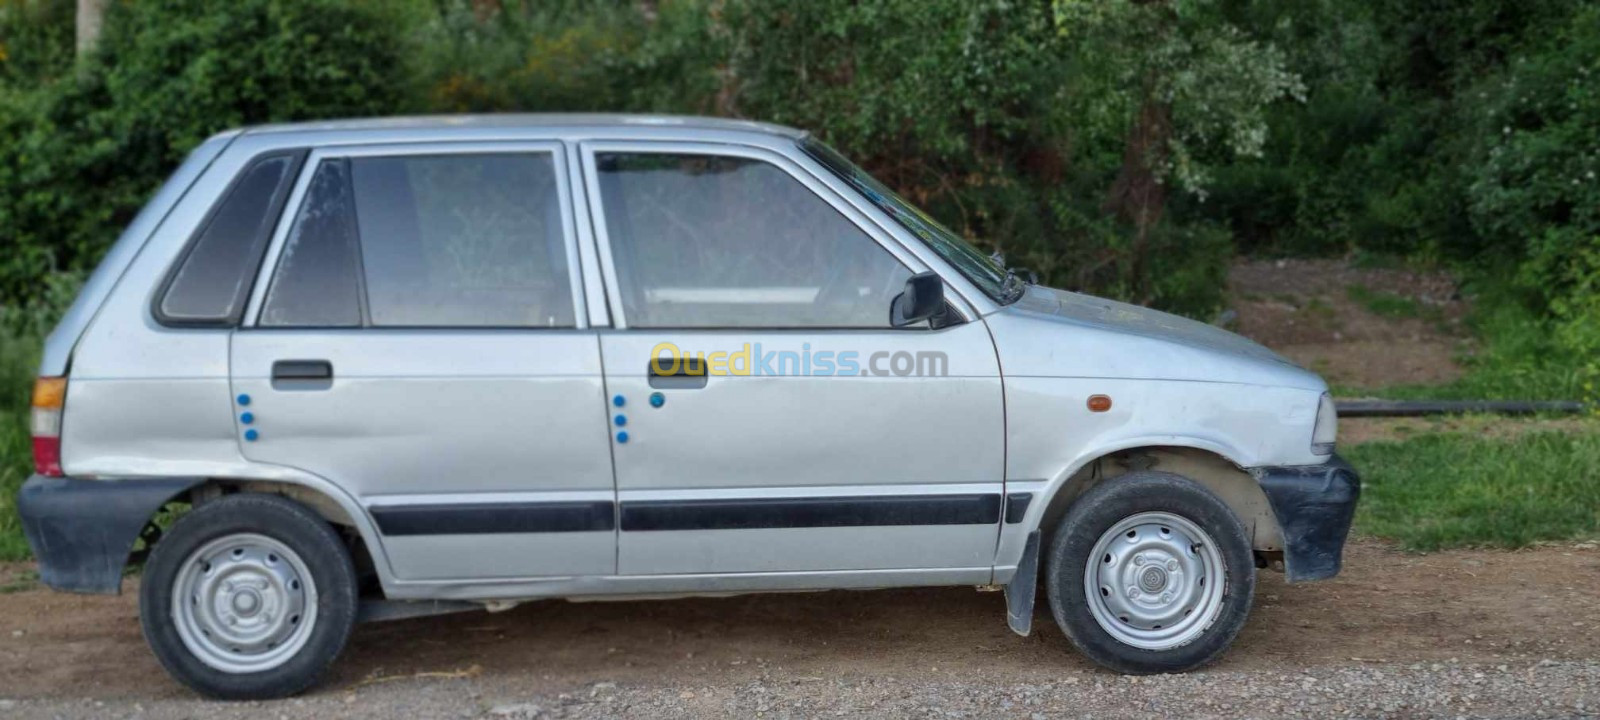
988 275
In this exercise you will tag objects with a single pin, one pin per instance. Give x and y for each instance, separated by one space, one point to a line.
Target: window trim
589 149
297 164
555 149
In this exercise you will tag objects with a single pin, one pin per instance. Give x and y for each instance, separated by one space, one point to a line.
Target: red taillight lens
47 456
49 397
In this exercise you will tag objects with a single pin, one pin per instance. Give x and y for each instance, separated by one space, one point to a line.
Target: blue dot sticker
657 399
244 399
618 401
251 435
622 437
620 420
247 418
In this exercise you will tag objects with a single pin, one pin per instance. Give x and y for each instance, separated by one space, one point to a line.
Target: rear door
418 337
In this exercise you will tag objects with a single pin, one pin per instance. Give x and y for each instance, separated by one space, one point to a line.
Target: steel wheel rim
244 603
1154 581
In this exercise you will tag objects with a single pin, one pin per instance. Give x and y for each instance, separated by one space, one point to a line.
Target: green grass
1442 490
18 363
25 581
1517 358
1384 304
1318 308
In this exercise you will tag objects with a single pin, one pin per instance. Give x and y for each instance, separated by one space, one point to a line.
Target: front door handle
302 375
677 373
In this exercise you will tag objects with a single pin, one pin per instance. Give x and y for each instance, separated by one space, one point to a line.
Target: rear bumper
1314 505
81 531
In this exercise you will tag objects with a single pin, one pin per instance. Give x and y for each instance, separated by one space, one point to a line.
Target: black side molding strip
1017 507
769 513
714 514
490 518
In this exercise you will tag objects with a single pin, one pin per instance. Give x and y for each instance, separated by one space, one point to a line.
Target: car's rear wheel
249 596
1150 572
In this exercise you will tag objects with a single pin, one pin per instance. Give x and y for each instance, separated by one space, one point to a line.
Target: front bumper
1314 505
82 531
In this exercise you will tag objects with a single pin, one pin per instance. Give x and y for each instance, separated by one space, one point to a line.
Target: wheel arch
85 532
322 497
1204 463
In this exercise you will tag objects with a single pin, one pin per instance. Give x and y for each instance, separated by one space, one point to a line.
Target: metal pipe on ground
1391 408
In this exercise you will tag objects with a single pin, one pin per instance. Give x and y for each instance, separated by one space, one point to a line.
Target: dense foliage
1127 147
82 151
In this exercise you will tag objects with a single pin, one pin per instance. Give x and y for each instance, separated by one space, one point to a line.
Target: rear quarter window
210 283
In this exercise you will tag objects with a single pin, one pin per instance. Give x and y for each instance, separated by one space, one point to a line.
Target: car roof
619 124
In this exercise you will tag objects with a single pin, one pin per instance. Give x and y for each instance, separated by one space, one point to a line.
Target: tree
1180 85
91 16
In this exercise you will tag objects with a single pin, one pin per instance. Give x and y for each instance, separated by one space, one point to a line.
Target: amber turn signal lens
49 392
1099 403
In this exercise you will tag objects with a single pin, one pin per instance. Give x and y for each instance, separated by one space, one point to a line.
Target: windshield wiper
1013 287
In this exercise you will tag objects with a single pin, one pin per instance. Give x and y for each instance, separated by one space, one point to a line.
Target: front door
418 342
820 439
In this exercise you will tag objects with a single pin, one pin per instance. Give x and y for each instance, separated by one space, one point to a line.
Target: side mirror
922 299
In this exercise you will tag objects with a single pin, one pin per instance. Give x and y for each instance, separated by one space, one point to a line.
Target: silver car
393 367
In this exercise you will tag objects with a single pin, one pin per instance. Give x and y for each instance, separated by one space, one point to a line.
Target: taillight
49 396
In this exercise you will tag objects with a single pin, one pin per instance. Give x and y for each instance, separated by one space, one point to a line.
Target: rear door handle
302 375
677 374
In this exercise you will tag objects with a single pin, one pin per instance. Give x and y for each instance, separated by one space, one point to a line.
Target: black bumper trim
81 531
1314 505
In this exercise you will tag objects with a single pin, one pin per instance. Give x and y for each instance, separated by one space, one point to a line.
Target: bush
36 41
22 331
1454 131
963 107
1521 358
79 156
19 355
1534 181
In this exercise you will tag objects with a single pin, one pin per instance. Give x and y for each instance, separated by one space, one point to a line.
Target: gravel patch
1548 688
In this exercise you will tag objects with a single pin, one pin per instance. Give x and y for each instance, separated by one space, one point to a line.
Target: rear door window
449 240
316 284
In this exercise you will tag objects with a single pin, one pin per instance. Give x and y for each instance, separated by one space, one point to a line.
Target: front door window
705 241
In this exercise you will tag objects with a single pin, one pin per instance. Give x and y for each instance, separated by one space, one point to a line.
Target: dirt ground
1305 310
1354 431
1388 610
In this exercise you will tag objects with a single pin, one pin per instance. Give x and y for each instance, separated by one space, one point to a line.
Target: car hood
1133 319
1054 333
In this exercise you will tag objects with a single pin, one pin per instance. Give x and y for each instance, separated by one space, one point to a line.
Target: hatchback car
389 367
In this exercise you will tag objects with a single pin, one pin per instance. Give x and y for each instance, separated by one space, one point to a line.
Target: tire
1137 529
272 598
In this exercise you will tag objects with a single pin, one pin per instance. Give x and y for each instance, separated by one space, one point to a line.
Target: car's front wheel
1150 572
248 596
